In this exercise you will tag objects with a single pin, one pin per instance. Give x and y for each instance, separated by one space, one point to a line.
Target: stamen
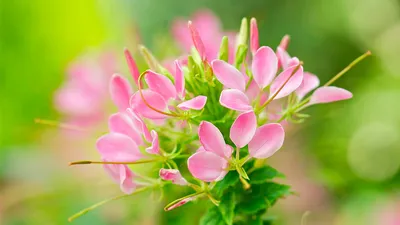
280 88
84 211
347 68
54 123
84 162
147 103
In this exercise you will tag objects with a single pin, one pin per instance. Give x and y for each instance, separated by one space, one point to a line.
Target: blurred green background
344 161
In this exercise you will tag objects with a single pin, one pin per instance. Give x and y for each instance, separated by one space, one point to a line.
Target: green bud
152 62
224 49
244 32
240 55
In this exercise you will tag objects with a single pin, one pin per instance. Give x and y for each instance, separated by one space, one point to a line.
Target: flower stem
101 162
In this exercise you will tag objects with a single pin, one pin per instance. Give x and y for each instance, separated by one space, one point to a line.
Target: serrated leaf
227 207
261 175
212 217
271 191
229 180
252 205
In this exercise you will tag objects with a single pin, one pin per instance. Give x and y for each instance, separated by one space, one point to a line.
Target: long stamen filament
84 162
54 123
280 88
147 103
84 211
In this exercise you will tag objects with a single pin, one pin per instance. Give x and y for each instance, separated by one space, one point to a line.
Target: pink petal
197 42
173 175
207 166
235 100
228 75
291 85
121 91
155 145
310 82
160 84
179 80
329 94
181 34
266 141
264 66
252 90
253 36
122 123
283 58
212 139
123 175
243 129
181 203
154 99
196 103
118 147
293 62
140 123
132 66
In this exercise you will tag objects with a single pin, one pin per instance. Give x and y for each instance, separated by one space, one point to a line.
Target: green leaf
261 175
255 220
252 205
271 191
229 180
212 217
227 207
242 172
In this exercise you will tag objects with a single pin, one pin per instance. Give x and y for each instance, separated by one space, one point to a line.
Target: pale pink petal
212 139
121 91
122 175
253 36
172 175
196 103
126 180
179 80
329 94
181 203
140 123
243 129
285 42
132 66
264 66
291 85
228 75
197 42
252 90
160 84
122 123
293 62
118 147
235 100
207 166
266 141
152 98
283 58
181 34
155 145
310 82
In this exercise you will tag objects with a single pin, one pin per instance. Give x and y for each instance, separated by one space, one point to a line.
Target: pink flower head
83 96
264 67
172 175
211 161
161 93
204 33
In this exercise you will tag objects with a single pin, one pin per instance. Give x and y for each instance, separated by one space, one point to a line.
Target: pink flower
264 67
172 175
211 162
83 97
205 33
162 93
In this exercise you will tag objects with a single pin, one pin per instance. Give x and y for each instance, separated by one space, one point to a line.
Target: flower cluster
219 109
